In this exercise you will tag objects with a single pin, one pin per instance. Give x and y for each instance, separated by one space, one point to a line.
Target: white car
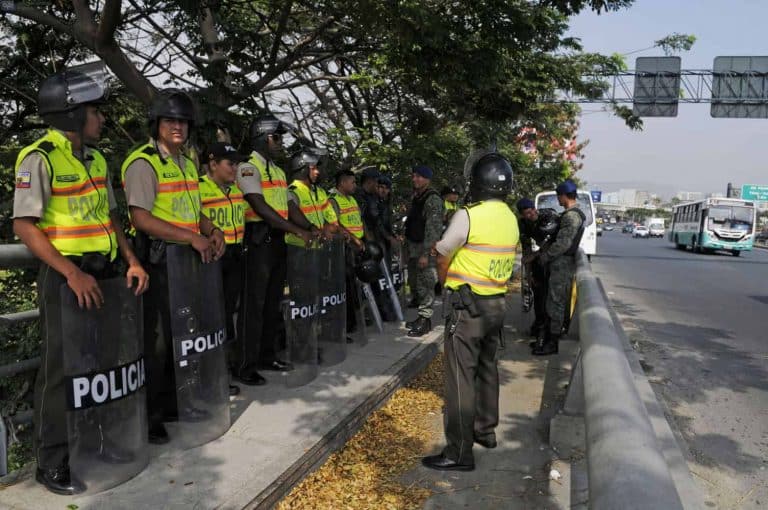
640 231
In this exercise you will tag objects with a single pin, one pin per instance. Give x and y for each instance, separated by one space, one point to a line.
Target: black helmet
490 177
301 161
367 271
62 96
373 251
266 125
171 104
548 221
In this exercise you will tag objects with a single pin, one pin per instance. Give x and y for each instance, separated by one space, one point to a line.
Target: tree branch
210 36
110 19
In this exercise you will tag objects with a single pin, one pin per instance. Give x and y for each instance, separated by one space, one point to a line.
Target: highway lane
700 323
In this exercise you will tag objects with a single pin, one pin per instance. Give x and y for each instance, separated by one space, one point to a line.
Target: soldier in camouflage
423 229
560 257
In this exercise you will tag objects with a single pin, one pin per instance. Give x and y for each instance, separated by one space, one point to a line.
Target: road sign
740 87
657 86
596 196
757 192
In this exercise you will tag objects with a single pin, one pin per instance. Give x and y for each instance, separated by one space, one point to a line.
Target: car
640 231
608 228
599 230
627 229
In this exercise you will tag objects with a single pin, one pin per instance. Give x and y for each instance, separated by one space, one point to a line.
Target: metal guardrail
626 467
15 256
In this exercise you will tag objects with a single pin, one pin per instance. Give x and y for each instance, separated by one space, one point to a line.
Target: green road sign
758 192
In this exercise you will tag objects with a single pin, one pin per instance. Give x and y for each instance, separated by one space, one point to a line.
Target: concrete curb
669 438
400 374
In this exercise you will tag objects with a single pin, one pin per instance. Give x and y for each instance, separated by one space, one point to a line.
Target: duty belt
96 265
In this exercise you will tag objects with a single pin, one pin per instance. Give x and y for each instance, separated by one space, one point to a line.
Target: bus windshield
730 217
550 201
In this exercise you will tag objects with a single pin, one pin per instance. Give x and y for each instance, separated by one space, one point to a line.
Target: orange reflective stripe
79 189
354 229
311 208
265 184
60 232
170 187
182 224
482 282
214 202
487 248
348 210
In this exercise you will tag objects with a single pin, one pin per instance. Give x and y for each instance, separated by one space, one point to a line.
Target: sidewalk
279 435
516 473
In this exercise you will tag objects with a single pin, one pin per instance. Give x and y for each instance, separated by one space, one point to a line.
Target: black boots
420 327
546 344
59 481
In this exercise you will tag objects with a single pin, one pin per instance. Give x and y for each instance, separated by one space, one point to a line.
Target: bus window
550 202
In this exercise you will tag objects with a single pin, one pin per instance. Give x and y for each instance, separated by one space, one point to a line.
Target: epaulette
46 146
149 150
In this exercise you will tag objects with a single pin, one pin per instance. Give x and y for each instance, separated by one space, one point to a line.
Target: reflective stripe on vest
178 197
349 215
76 218
273 185
225 210
485 261
314 205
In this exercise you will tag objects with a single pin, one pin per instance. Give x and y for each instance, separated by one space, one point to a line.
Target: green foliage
675 43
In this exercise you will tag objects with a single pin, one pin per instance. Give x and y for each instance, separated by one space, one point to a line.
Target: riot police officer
224 204
450 196
64 211
560 258
161 188
265 188
475 259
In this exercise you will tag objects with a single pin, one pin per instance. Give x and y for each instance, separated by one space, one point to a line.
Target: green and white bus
714 224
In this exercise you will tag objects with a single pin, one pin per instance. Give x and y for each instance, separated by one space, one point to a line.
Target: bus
714 224
548 199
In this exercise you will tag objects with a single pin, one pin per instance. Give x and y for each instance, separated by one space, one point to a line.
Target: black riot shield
387 287
302 314
103 361
198 328
332 339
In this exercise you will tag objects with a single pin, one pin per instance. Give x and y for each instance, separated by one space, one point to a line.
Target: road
700 323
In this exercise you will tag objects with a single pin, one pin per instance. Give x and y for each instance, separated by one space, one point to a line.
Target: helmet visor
87 83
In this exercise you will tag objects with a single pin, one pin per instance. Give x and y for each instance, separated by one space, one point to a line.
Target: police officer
265 188
422 230
475 258
385 208
224 204
161 188
450 196
64 211
539 227
308 203
367 197
560 258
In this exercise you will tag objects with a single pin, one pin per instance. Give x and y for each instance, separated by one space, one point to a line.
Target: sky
693 151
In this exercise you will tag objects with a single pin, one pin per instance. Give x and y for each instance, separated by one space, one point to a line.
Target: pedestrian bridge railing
626 467
15 256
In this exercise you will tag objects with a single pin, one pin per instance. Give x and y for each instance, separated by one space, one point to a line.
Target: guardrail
15 256
626 468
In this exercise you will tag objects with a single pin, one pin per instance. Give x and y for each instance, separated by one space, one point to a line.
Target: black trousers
232 273
540 288
471 377
259 320
50 398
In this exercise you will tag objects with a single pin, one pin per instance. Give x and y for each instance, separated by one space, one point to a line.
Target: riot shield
302 314
103 359
368 296
198 328
388 287
398 274
332 339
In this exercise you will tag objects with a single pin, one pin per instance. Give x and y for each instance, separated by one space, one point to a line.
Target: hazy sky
692 151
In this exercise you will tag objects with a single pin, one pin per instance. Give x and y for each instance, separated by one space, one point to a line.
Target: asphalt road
700 323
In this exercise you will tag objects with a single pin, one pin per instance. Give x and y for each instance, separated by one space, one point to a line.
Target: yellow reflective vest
274 186
226 209
486 259
349 214
178 196
450 206
314 204
76 218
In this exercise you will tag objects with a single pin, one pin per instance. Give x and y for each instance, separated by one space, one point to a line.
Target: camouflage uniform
562 268
423 281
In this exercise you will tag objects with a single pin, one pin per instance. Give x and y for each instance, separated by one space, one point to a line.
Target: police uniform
313 203
481 259
259 320
225 207
72 200
168 188
348 213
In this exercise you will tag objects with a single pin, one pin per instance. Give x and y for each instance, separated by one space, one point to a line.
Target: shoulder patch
46 146
149 150
23 179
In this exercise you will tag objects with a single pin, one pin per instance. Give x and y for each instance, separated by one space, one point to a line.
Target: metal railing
626 467
15 256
